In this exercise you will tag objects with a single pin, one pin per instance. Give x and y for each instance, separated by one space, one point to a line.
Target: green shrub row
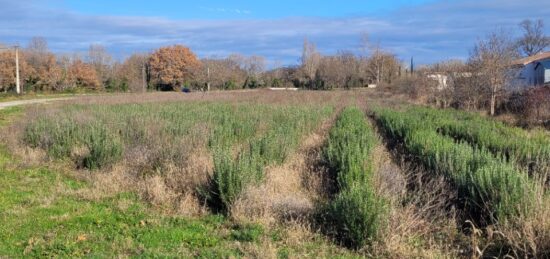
243 138
516 144
491 189
356 215
91 144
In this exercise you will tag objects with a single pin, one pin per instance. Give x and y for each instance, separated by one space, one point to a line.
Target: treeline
175 67
42 70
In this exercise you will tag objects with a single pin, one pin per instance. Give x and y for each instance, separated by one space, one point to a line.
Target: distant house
440 78
531 71
444 79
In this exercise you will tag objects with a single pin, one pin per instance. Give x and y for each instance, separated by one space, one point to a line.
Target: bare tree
491 59
225 73
380 65
254 65
101 60
134 71
38 45
310 60
533 40
331 73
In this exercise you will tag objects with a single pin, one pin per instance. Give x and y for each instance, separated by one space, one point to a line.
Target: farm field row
169 179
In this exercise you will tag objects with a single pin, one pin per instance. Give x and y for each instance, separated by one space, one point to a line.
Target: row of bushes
91 145
356 215
527 149
490 188
157 139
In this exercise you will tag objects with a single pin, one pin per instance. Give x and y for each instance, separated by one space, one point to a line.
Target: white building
531 71
441 79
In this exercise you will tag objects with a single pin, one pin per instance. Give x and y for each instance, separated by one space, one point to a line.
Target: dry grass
422 223
289 191
526 236
340 98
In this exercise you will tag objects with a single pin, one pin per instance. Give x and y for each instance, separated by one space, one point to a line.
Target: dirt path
32 101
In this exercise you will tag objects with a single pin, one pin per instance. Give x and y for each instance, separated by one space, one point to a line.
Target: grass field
268 175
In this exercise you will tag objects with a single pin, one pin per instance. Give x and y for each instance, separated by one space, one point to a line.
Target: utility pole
208 79
144 78
17 84
412 66
17 80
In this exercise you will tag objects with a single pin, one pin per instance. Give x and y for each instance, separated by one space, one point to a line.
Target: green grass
41 218
37 221
8 113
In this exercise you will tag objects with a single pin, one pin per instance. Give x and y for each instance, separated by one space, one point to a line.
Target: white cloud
226 10
429 32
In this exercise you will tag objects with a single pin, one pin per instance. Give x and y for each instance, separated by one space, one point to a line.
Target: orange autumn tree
7 70
172 66
46 73
83 75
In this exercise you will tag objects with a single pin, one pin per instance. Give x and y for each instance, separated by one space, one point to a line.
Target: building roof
531 59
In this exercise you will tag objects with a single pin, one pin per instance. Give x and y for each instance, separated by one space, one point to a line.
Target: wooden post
17 84
144 78
208 79
412 66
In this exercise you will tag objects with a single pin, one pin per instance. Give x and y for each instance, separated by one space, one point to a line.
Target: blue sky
429 30
236 9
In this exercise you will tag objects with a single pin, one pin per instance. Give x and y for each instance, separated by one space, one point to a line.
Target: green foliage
104 148
252 83
116 85
229 85
61 137
357 215
492 189
247 233
515 143
231 176
349 148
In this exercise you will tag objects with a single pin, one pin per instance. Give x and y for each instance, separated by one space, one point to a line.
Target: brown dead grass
174 190
339 98
527 236
289 191
420 223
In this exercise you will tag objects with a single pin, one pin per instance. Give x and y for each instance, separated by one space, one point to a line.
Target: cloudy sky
429 30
